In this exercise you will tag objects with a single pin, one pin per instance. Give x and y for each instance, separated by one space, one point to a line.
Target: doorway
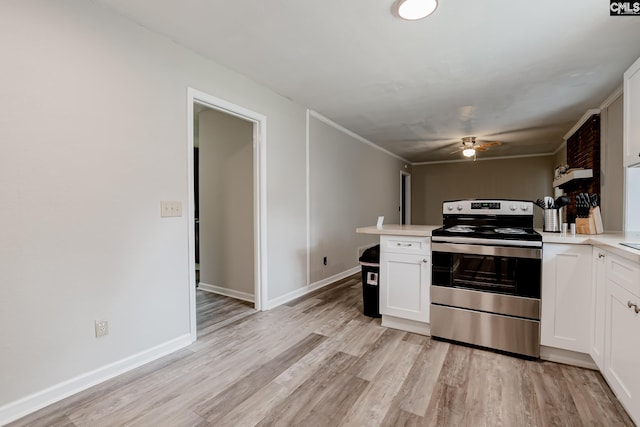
405 198
198 102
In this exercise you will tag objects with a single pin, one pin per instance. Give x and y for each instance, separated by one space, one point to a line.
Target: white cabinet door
566 297
404 286
622 347
624 272
598 302
631 131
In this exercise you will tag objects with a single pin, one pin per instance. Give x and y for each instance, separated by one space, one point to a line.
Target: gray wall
526 178
226 202
612 169
351 184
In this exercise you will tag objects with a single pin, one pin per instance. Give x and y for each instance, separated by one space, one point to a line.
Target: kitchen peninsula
606 241
405 275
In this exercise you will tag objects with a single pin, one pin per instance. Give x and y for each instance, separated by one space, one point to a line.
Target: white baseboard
406 325
310 288
567 357
244 296
26 405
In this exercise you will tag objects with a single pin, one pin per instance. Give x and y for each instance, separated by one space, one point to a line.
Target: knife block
591 225
585 225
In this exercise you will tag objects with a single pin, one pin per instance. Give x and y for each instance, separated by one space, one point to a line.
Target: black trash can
370 262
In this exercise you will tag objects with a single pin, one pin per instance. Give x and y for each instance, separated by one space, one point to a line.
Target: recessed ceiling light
412 10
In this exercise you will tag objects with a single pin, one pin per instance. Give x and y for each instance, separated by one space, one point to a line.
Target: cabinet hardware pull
630 304
600 255
635 306
636 309
425 260
404 244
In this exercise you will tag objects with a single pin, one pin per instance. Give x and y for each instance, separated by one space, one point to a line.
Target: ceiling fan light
412 10
468 152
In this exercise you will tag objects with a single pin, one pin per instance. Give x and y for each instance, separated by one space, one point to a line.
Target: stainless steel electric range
486 276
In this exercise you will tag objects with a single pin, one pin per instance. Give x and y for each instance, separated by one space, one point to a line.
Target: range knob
459 207
524 207
449 208
513 207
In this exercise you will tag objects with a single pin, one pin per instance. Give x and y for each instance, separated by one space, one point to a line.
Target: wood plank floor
318 361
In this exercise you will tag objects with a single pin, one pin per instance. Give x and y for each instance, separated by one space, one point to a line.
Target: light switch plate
170 209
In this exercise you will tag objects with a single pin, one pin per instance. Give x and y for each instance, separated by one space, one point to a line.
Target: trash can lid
371 255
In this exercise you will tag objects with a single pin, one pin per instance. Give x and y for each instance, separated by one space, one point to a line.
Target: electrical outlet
102 328
169 209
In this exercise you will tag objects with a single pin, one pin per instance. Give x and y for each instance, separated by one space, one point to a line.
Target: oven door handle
505 251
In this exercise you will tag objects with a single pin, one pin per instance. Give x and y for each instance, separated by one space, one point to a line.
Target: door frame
259 196
405 194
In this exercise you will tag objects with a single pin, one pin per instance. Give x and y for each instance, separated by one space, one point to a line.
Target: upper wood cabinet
632 115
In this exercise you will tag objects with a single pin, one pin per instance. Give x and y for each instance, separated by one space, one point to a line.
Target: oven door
506 270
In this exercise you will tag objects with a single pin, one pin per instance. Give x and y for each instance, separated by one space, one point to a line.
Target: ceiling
521 73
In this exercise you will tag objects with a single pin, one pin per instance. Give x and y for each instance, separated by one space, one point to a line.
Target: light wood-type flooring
318 361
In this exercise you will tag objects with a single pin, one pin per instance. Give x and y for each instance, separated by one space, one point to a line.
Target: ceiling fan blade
489 144
468 142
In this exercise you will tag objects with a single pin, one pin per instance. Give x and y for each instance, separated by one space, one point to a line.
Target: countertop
399 230
607 241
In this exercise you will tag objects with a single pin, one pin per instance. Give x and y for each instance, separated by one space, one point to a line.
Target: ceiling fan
470 146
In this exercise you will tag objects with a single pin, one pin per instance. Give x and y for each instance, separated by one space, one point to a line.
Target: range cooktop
632 245
487 219
488 232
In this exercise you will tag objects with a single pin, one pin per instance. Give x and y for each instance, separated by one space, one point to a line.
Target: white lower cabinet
405 277
598 301
622 335
591 304
566 297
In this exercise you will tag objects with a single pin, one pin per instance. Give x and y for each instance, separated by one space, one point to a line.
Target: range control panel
488 207
485 205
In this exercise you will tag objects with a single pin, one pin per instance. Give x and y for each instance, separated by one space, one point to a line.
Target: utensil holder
551 221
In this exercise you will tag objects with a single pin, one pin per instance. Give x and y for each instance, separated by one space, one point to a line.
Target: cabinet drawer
405 245
624 273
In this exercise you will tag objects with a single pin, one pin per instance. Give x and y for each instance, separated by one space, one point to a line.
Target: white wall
226 203
93 131
632 219
560 158
351 184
